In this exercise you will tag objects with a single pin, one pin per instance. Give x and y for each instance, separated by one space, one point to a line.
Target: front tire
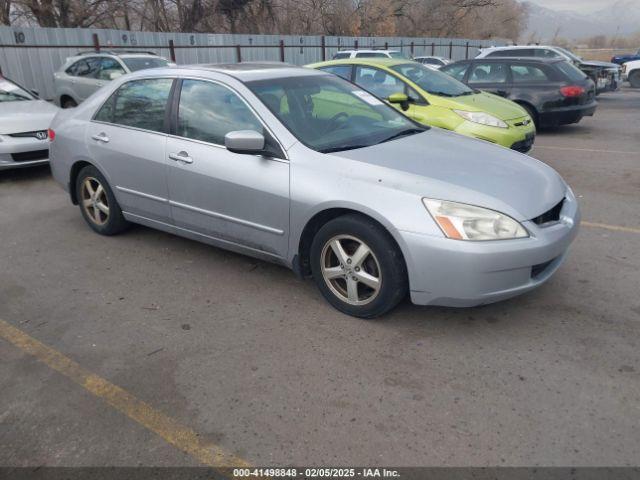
634 79
68 102
358 267
97 203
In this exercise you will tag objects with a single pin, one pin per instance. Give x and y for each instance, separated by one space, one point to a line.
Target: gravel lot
254 360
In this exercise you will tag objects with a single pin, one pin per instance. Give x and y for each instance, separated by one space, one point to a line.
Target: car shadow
27 174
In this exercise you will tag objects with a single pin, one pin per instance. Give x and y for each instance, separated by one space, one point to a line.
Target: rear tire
358 267
533 113
634 79
97 203
68 102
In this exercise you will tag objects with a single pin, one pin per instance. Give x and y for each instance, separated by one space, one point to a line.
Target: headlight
467 222
482 118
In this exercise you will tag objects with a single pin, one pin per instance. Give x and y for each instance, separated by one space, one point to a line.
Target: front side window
208 111
528 74
338 56
329 114
488 73
399 55
109 69
343 71
10 92
432 81
140 104
378 81
546 53
141 63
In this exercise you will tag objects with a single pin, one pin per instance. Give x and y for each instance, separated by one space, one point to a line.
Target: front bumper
515 134
20 152
460 273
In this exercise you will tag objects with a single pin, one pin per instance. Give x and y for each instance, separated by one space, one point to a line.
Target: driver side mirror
400 98
35 93
245 141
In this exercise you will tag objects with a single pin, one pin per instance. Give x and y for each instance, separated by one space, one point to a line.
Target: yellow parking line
551 147
141 412
615 228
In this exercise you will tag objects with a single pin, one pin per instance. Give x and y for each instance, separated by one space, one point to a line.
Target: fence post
238 54
466 52
433 48
412 49
172 50
386 45
282 50
355 44
96 42
322 46
451 50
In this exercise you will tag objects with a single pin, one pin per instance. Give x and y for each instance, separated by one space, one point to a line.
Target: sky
582 6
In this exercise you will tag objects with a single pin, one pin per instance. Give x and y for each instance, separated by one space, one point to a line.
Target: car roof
249 71
514 59
385 62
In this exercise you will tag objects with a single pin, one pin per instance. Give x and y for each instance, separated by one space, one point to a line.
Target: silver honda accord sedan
305 169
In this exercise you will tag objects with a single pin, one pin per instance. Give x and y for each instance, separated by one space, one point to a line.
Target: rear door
127 140
490 76
235 198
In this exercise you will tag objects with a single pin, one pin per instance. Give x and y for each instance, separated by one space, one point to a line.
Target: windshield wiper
408 131
342 148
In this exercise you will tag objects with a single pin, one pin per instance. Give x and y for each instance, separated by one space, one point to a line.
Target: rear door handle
181 157
101 137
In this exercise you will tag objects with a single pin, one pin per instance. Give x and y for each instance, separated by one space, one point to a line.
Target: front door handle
101 137
181 157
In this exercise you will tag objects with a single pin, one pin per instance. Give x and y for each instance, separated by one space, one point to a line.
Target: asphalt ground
149 349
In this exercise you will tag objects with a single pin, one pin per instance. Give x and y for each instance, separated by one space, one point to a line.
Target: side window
79 69
546 53
343 71
109 66
140 104
488 73
378 82
457 71
528 74
338 56
208 111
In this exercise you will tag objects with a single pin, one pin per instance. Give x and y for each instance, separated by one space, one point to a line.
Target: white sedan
24 124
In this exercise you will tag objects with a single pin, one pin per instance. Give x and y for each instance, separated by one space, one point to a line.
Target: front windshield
142 63
432 81
571 55
329 114
10 92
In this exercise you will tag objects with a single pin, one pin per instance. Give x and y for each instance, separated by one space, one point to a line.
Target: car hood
487 102
26 116
448 166
595 63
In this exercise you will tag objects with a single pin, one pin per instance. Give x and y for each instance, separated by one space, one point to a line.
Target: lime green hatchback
433 98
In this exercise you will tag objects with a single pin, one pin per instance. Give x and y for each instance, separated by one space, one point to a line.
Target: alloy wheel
95 201
351 270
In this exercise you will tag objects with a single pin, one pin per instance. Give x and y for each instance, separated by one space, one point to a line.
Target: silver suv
85 73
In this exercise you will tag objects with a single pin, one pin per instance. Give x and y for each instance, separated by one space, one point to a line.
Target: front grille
552 215
29 156
539 269
39 134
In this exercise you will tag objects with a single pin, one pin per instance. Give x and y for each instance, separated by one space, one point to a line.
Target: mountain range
620 19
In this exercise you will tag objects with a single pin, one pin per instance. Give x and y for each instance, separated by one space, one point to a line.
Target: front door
236 198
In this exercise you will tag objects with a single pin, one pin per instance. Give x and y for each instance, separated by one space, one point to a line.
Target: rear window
571 71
